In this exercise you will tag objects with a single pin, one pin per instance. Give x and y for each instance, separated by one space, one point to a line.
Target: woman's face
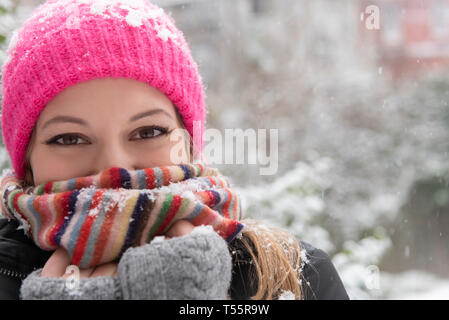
104 123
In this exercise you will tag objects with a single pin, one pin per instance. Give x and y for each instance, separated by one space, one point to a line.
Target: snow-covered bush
296 202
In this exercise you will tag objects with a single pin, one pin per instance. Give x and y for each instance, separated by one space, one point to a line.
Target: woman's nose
113 156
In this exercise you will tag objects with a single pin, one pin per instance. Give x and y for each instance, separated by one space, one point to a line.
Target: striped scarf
96 218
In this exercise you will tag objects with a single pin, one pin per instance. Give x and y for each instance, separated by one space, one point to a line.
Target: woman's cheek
146 158
164 152
179 152
55 167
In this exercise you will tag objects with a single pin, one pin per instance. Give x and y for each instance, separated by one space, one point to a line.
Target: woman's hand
179 228
56 265
197 266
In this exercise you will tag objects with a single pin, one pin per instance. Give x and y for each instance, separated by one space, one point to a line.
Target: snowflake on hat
133 12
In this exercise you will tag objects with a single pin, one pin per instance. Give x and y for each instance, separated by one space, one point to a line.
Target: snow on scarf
96 218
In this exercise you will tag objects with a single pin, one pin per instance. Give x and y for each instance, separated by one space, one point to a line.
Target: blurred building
413 36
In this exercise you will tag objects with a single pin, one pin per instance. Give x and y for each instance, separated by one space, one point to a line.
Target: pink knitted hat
65 42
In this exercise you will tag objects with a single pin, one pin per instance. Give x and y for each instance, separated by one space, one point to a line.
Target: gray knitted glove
35 287
195 266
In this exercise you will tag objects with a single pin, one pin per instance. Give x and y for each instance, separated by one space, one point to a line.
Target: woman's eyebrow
65 119
149 113
84 123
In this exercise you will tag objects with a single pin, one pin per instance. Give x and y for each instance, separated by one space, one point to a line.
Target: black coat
19 256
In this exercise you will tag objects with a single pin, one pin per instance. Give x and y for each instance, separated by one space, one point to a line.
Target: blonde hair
28 180
271 259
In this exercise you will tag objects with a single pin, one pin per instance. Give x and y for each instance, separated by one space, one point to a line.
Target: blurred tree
420 234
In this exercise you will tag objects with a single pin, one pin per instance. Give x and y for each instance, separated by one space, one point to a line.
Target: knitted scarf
96 218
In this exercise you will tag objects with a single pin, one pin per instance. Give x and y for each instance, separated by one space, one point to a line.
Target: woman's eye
66 140
74 139
151 132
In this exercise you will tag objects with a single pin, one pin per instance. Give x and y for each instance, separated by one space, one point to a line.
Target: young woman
93 94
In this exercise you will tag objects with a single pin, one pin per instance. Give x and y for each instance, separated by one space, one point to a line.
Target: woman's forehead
110 89
123 98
